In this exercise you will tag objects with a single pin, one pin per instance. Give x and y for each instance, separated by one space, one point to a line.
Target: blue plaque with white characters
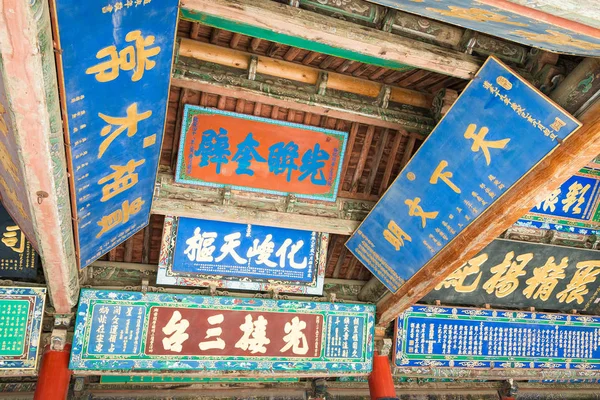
439 337
199 252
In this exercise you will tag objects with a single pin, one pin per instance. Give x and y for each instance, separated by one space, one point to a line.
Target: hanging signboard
574 207
155 331
116 64
18 259
221 148
155 379
507 273
498 129
446 337
21 314
508 21
12 180
197 252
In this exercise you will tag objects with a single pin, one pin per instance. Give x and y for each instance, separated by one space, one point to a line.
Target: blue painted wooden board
517 27
197 252
497 130
573 207
133 331
116 60
431 336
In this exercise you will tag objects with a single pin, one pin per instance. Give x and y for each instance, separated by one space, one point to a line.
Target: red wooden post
54 377
381 383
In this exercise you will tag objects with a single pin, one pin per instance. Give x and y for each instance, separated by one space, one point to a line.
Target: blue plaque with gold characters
18 259
115 58
497 130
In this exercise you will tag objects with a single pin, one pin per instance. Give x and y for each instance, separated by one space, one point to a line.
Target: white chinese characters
201 247
254 338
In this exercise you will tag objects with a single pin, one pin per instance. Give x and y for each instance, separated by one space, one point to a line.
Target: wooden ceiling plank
340 262
362 160
408 150
305 29
349 148
310 57
292 53
128 256
377 160
147 244
389 166
558 166
177 134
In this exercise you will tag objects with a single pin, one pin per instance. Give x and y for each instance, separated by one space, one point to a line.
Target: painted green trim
261 33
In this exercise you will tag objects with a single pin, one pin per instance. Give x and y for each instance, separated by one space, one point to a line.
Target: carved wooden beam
341 217
297 72
557 167
269 20
30 79
216 80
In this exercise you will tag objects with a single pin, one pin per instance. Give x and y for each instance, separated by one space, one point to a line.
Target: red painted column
54 377
381 383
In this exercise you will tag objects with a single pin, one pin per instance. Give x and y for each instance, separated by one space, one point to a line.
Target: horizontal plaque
508 273
18 259
221 148
197 252
21 314
134 331
498 129
447 337
574 207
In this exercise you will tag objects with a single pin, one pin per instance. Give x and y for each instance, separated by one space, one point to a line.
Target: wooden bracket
321 84
252 66
290 203
383 98
226 200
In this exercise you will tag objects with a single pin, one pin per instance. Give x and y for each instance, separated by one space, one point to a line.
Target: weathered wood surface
579 86
30 79
312 27
297 72
557 167
222 84
340 217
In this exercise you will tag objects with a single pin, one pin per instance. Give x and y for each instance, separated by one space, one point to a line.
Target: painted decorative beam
340 217
30 78
220 82
292 26
299 73
557 167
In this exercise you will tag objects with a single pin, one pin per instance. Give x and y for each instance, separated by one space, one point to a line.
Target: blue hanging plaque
198 252
116 63
499 128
